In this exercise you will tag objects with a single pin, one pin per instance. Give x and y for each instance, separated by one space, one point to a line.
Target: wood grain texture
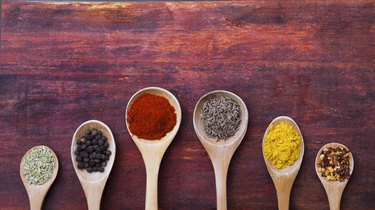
65 63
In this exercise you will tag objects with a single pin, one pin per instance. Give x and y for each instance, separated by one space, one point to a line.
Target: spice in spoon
39 165
151 117
334 163
221 117
282 145
92 151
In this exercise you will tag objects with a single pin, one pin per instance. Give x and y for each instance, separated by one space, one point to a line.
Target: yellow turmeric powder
282 145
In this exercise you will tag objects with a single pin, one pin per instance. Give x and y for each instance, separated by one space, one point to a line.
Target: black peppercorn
80 165
100 142
98 149
92 162
88 137
98 156
92 151
84 154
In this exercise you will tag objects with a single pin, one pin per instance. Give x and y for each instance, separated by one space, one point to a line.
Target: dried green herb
221 117
39 165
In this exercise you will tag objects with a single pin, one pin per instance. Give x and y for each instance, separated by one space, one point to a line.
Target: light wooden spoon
152 151
93 183
334 189
220 152
283 179
37 193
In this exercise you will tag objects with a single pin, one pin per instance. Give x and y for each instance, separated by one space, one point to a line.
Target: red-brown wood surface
65 63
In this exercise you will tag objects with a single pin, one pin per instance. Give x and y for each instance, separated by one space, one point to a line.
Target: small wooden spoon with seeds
283 179
220 152
334 189
93 183
35 192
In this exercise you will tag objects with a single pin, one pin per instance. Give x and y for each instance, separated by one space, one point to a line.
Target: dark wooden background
65 63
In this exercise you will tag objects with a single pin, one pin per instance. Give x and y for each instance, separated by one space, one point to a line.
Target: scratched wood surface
65 63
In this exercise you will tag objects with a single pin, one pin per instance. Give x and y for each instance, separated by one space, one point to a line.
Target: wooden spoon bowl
283 179
37 193
93 183
334 189
220 152
152 151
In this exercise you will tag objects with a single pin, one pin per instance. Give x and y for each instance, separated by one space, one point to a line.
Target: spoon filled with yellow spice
283 150
334 165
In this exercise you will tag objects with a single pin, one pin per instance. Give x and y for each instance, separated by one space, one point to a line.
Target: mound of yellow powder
282 145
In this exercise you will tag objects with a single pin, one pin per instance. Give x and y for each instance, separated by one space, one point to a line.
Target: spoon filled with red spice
153 117
334 164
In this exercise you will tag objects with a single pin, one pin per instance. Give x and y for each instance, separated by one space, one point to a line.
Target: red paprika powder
151 117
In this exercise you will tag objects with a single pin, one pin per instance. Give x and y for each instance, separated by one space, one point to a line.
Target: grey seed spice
221 117
39 165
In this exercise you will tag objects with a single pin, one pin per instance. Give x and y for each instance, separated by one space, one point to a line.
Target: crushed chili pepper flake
334 163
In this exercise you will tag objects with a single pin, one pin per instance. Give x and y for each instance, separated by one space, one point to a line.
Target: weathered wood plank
65 63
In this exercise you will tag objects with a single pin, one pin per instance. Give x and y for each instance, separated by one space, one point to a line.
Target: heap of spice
334 163
39 165
151 117
282 145
221 117
92 151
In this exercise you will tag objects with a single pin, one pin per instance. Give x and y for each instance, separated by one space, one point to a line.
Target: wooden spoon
283 179
152 151
93 183
37 193
334 189
220 152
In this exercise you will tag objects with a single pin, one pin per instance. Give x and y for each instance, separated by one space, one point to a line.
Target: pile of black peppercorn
92 151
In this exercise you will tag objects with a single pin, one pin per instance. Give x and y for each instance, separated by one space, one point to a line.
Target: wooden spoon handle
221 190
94 192
283 197
221 171
36 201
283 187
334 197
152 171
